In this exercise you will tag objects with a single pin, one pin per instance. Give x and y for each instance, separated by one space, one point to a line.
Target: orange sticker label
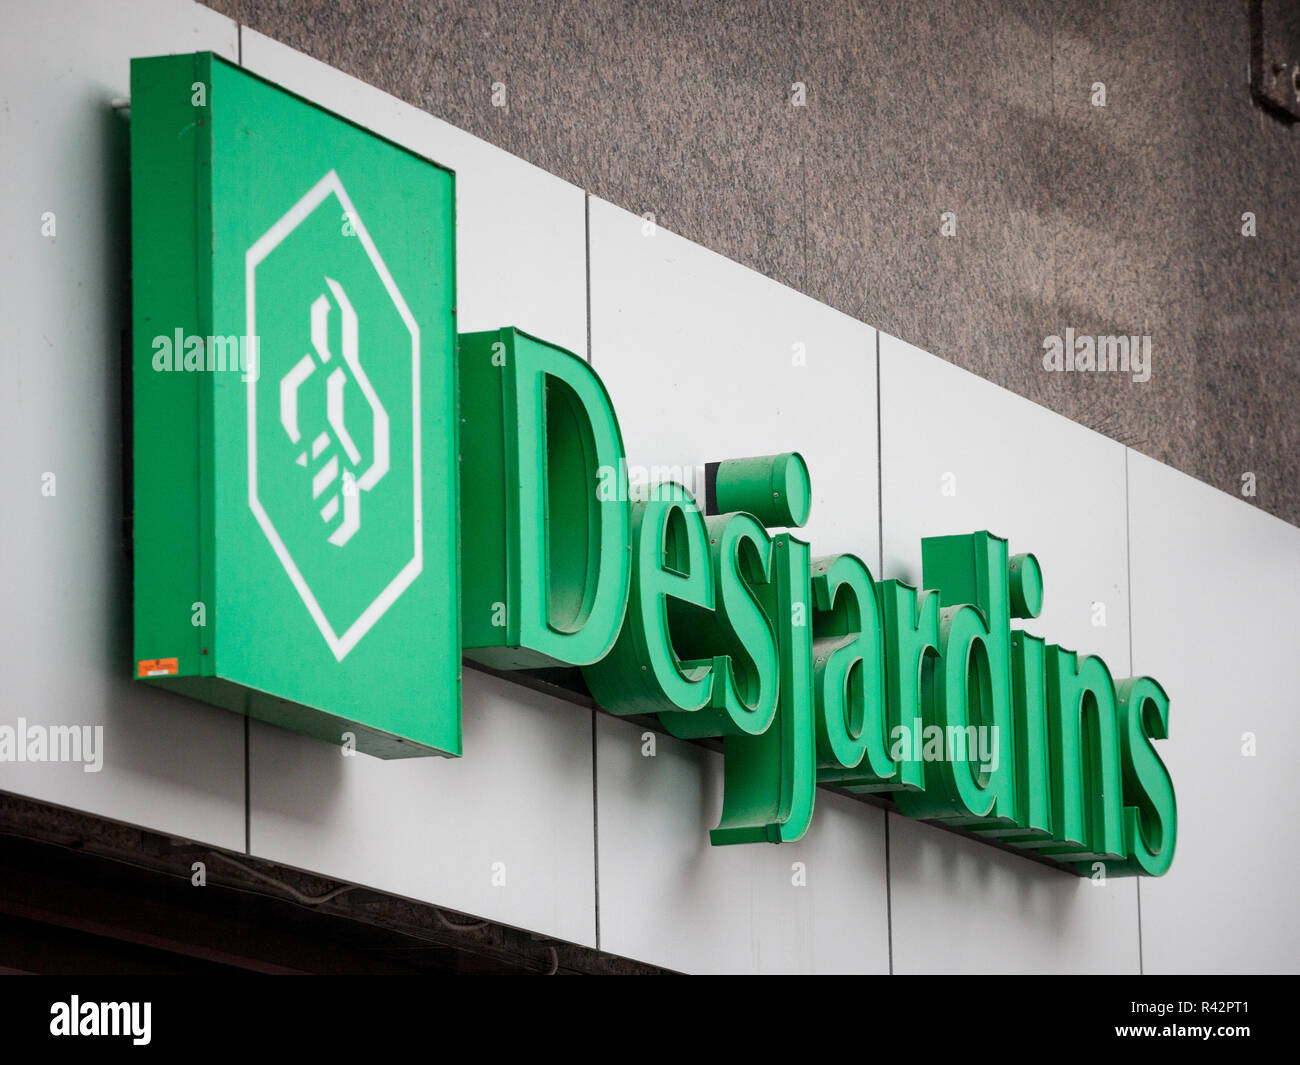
158 667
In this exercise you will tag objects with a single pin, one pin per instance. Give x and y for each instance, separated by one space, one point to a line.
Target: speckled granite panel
1115 220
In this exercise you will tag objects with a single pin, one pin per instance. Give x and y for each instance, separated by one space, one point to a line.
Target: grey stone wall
1117 219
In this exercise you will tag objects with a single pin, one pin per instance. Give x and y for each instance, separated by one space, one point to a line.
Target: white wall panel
960 906
433 829
670 898
699 355
1057 489
170 764
522 794
520 232
1215 587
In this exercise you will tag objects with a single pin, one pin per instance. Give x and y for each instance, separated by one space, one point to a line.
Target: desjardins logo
716 617
385 496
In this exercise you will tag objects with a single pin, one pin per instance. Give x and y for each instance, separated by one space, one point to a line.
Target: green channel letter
848 672
1033 820
671 571
770 779
974 781
737 638
717 640
1029 703
910 621
1151 811
954 715
544 495
1087 803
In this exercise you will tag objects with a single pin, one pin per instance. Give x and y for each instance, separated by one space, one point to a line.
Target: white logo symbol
339 474
327 472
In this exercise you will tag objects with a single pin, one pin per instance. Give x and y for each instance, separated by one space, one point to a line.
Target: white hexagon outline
261 248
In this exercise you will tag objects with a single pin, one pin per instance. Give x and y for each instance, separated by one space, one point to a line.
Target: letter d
542 534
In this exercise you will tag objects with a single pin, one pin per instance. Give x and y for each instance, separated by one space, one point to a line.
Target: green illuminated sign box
329 517
294 399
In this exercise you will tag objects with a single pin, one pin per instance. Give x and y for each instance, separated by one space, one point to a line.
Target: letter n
1083 741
